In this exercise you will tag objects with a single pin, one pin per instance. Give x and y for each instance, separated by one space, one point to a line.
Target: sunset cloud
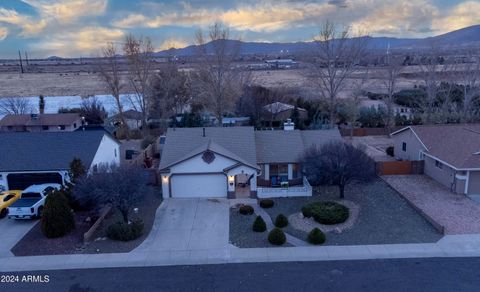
173 43
68 11
3 33
463 15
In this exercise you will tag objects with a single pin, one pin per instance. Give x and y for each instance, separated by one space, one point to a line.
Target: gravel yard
241 233
456 213
385 217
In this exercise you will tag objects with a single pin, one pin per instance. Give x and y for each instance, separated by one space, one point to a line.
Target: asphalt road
441 274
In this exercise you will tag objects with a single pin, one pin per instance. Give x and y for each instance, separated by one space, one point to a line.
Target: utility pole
21 64
26 58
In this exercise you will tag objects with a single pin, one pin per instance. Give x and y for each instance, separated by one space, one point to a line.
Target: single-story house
280 112
133 119
451 153
41 123
237 162
35 158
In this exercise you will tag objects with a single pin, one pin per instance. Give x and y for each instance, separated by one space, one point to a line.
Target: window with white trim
404 146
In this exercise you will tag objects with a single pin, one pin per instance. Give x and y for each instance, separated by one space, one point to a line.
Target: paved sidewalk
456 213
449 246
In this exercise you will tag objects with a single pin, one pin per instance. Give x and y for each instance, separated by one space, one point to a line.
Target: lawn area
384 218
35 243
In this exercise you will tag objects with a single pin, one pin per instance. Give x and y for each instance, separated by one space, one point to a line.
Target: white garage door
199 186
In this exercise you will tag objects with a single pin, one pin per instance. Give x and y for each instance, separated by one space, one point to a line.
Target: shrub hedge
281 221
246 210
326 212
259 225
276 236
266 203
125 232
316 236
57 218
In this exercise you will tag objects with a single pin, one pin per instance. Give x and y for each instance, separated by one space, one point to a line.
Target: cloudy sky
80 27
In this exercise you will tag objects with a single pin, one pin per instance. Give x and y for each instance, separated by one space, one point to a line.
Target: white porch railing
296 191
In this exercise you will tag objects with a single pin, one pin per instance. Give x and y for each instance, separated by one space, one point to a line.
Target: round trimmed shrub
266 203
307 211
276 236
125 232
281 221
57 218
316 236
328 213
246 210
259 225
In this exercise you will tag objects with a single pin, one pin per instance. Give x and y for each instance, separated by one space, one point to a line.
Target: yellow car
6 199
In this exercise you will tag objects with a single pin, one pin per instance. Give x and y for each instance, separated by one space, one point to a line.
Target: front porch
291 188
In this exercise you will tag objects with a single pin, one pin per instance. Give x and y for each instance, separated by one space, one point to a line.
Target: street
434 274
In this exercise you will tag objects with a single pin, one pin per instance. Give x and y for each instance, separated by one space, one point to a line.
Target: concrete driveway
11 231
189 224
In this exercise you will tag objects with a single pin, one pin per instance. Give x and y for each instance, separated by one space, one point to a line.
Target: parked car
31 203
6 199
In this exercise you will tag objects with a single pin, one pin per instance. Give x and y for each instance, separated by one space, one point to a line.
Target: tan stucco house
451 153
237 162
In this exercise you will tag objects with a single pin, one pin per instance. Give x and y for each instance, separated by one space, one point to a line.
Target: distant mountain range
462 37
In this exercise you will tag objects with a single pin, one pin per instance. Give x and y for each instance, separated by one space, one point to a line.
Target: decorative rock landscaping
300 222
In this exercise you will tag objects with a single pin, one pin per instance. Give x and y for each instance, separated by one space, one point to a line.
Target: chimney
289 125
203 132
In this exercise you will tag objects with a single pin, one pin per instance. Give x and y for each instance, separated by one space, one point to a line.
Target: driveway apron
189 224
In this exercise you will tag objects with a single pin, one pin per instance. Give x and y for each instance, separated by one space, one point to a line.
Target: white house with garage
237 162
30 158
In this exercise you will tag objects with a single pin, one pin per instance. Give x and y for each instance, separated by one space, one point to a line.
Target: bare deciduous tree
172 91
15 106
121 186
393 69
432 67
470 82
139 52
334 61
218 82
338 163
353 104
111 75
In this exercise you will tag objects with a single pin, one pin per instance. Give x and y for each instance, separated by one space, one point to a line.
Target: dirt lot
77 80
376 146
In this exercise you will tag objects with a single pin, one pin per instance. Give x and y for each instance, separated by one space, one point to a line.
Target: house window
61 127
74 125
404 146
45 128
278 173
115 152
295 170
438 164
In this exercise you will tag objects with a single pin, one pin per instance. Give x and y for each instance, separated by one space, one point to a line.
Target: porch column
467 181
267 171
290 171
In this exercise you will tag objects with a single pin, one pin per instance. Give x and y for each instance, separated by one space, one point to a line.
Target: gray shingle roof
180 143
25 151
41 120
456 144
289 146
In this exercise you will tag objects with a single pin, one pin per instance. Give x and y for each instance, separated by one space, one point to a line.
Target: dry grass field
75 80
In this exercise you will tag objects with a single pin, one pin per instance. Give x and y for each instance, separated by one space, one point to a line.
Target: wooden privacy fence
399 167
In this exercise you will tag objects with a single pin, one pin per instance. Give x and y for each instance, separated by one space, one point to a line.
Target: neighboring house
451 153
41 123
280 112
237 162
400 110
133 119
36 158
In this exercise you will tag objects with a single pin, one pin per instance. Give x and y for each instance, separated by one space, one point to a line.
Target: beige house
67 122
451 153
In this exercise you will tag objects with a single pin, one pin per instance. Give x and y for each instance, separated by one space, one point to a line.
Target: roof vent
203 132
289 125
34 117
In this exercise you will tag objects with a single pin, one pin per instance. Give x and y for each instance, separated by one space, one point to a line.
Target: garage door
21 181
199 186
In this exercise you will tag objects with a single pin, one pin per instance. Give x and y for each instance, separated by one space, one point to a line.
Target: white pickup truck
30 205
